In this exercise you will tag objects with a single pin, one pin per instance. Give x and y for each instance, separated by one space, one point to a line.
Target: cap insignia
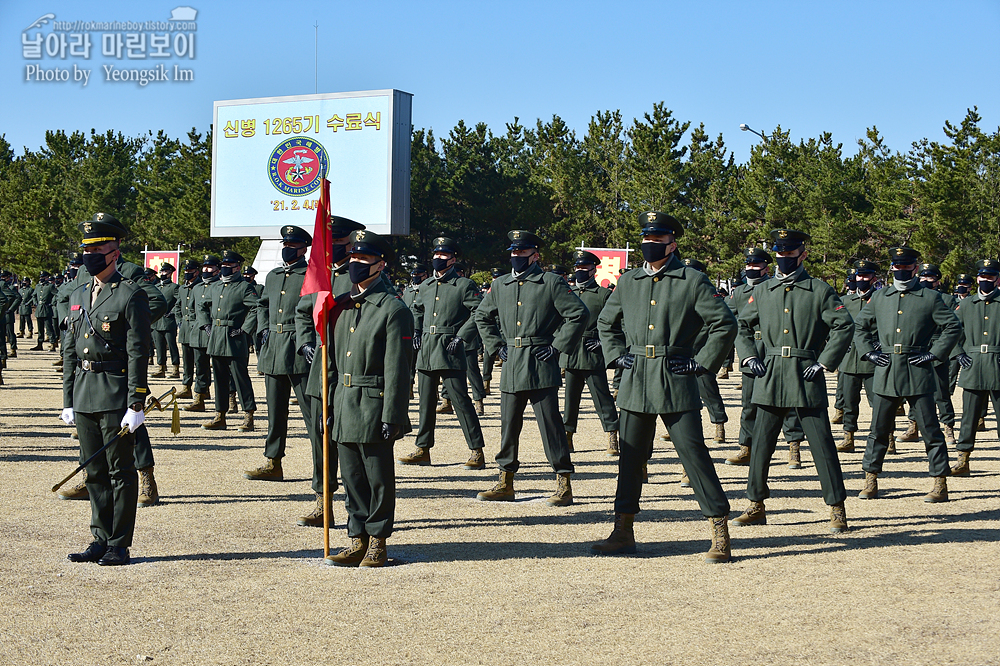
99 216
783 233
87 227
651 217
360 234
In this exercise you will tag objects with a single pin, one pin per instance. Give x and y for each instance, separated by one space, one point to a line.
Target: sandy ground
222 575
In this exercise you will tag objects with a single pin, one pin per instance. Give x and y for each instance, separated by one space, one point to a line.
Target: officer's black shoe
94 552
114 557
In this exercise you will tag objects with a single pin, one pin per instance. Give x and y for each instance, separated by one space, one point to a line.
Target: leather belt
658 351
362 381
101 366
441 330
223 322
283 328
907 349
791 352
525 341
986 349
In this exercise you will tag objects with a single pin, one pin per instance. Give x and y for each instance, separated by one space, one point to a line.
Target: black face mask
338 253
359 272
95 262
440 265
72 273
520 264
962 289
416 279
654 252
208 275
863 285
581 276
902 276
226 271
754 273
787 265
929 284
987 286
851 285
189 275
289 255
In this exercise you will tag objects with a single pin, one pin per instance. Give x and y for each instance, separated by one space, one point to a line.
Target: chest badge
106 326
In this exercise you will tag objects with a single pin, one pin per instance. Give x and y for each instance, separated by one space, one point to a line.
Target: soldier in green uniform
585 365
757 261
417 276
373 341
186 315
231 309
6 299
45 312
27 300
850 289
527 319
805 330
856 372
489 361
165 328
906 318
649 327
250 276
979 357
62 298
963 285
201 293
473 352
104 387
13 303
443 322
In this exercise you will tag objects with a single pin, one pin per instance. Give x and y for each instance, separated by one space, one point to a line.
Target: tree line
943 198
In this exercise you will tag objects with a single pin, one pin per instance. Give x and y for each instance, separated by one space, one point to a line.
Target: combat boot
847 446
247 425
269 471
38 344
198 405
742 457
720 433
644 474
217 423
721 550
175 372
13 354
723 373
77 492
961 467
161 372
476 460
564 493
794 459
569 441
315 517
614 448
685 481
352 555
445 407
20 335
939 493
1 377
149 495
981 426
665 437
838 416
838 518
480 408
52 346
184 392
486 387
755 514
892 443
56 363
376 556
621 540
418 457
233 405
503 491
911 433
870 491
949 434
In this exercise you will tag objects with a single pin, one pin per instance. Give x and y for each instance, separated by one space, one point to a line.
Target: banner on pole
613 260
154 258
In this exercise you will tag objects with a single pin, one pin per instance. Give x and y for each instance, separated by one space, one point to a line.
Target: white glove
133 419
67 416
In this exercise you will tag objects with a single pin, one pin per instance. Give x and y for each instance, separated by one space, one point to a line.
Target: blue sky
808 66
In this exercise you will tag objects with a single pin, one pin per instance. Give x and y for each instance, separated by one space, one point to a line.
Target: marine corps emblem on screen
296 166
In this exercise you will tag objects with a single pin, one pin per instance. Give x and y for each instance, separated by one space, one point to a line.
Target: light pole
747 128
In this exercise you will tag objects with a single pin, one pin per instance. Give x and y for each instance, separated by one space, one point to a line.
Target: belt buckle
433 329
279 328
85 364
786 352
218 322
347 379
650 351
517 342
757 335
897 349
984 349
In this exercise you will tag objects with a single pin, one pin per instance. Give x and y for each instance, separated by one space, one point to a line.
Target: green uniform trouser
636 437
884 422
597 382
50 329
164 341
838 400
488 363
942 396
474 375
187 365
545 404
111 478
616 379
974 405
278 390
816 426
26 320
708 389
852 397
226 369
952 376
369 473
202 370
748 418
458 393
11 336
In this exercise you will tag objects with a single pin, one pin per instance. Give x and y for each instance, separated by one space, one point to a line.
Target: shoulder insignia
839 307
751 299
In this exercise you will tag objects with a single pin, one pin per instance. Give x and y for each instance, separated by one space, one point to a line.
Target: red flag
319 274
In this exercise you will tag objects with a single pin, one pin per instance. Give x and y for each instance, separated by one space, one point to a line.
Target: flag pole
326 448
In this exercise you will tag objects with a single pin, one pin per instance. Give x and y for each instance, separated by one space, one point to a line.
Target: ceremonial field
222 575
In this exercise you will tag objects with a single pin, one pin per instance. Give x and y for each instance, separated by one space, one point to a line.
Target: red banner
612 262
319 273
154 258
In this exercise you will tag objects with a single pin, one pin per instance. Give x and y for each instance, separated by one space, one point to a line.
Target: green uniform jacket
45 300
737 300
120 317
906 323
13 301
410 293
656 316
61 301
129 271
594 296
168 322
372 343
276 313
852 363
202 293
795 322
980 317
952 302
27 300
534 309
443 309
230 305
186 312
